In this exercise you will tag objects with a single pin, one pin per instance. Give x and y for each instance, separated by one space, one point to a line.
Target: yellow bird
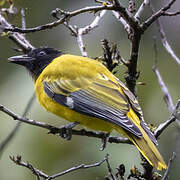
83 90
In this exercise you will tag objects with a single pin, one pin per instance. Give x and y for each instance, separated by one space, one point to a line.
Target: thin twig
8 139
23 18
86 30
12 134
168 167
141 9
38 173
21 41
29 105
82 166
124 23
109 168
156 15
18 38
71 28
163 126
164 38
66 16
95 22
171 13
56 130
167 96
81 43
116 6
79 32
173 117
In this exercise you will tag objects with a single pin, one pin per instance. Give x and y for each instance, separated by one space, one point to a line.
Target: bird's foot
104 141
66 130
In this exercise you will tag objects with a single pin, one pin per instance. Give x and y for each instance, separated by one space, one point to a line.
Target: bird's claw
66 130
104 141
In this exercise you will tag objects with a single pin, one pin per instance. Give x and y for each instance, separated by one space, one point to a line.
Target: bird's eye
42 53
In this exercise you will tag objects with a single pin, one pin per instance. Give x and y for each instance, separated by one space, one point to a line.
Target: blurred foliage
53 154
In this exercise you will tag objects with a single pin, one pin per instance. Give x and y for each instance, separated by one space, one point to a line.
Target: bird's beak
21 60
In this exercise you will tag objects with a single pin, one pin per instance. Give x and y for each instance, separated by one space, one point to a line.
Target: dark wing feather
136 107
95 101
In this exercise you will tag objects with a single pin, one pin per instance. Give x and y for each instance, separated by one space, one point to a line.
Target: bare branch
135 37
23 18
71 28
56 130
134 32
171 13
129 18
141 9
38 173
66 16
19 39
117 6
18 160
164 38
132 74
124 23
82 166
86 30
156 15
163 126
80 43
95 23
173 117
79 32
109 168
168 167
167 96
11 135
8 139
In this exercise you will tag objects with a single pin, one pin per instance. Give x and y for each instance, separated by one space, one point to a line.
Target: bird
83 90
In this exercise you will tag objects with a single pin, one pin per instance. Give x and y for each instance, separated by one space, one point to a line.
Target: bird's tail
147 149
145 143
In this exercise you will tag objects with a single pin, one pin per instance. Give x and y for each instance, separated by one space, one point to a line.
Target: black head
36 60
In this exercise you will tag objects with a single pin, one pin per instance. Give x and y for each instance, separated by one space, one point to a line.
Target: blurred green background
53 154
